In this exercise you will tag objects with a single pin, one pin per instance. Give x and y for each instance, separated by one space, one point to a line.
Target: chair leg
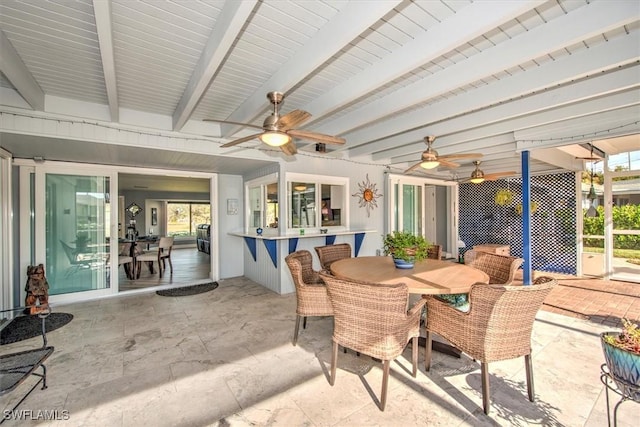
295 331
385 383
427 352
334 362
529 369
170 265
304 323
414 355
484 370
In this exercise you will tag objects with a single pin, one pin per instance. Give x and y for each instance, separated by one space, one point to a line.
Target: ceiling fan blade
589 159
461 156
240 140
233 123
289 148
497 175
319 137
292 119
447 163
413 167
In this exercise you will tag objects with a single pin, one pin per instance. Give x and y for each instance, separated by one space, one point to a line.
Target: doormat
188 290
29 326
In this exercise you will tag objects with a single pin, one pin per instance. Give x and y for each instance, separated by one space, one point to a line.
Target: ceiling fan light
592 212
275 138
430 164
477 176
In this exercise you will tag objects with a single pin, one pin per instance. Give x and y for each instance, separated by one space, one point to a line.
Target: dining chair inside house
161 255
434 252
331 253
497 326
372 319
311 292
126 259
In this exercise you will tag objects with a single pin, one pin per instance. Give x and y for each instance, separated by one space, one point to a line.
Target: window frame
262 183
185 202
318 181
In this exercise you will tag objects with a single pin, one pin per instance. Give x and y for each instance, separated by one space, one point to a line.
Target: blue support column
526 218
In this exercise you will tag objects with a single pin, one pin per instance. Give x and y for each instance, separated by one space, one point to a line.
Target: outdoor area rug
29 326
188 290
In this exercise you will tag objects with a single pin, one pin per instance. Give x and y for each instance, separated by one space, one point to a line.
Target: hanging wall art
367 195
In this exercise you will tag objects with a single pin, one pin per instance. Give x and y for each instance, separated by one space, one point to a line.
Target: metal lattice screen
485 218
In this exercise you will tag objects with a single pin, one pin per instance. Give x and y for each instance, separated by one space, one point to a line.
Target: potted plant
622 354
405 248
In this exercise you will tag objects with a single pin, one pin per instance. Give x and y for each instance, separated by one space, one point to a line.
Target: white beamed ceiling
493 77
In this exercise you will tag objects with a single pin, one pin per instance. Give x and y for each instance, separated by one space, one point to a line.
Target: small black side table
628 392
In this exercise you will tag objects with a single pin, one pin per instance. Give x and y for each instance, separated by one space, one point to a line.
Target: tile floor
224 358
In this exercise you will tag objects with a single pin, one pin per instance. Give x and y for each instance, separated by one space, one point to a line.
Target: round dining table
429 276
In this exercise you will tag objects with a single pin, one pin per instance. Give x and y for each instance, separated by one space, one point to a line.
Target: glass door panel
407 209
625 216
412 212
77 219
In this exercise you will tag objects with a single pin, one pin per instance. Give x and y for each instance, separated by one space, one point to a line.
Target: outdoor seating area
161 355
320 213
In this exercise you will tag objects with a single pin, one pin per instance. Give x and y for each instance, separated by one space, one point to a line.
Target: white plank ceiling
493 77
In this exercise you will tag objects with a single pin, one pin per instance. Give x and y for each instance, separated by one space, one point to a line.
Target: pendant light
592 212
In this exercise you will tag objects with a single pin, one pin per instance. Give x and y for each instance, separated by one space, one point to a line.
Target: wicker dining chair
434 252
372 319
497 326
500 268
331 253
311 292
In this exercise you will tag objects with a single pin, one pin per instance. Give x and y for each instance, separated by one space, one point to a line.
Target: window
183 218
317 201
262 202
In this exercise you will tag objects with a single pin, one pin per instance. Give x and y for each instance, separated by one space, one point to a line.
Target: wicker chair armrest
314 279
417 308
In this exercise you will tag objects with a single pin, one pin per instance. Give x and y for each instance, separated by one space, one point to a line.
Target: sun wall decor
367 194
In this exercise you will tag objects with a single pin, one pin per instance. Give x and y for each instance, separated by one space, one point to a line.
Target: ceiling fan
477 176
431 159
591 158
277 131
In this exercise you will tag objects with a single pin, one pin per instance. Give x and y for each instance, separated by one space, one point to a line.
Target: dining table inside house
135 248
427 277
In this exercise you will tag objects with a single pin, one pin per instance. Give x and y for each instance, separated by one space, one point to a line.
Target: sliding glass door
77 223
426 207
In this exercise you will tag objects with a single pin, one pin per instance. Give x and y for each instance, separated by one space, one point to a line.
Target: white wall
230 247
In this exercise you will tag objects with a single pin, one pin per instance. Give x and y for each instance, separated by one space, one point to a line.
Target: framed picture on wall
232 206
154 216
